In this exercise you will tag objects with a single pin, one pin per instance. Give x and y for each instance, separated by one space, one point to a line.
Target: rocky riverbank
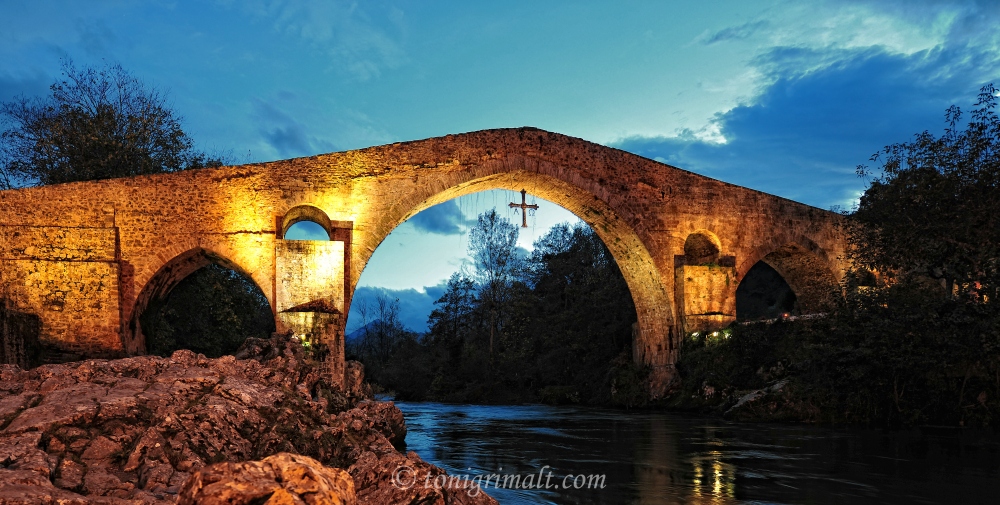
188 429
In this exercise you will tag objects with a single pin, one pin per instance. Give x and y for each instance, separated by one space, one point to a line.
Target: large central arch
653 304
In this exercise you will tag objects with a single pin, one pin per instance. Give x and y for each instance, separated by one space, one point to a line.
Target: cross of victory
524 208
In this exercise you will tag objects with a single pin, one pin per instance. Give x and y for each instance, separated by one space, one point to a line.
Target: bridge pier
322 334
705 296
312 291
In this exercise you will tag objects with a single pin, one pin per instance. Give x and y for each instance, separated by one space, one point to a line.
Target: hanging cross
524 209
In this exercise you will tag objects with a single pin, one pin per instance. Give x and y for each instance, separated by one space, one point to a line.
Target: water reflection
659 458
664 475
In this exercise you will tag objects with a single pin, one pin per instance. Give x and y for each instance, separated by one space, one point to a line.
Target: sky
786 97
413 263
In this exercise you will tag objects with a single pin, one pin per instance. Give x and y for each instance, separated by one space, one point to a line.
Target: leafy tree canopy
934 210
98 123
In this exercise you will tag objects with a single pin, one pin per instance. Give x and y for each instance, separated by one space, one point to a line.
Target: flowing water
586 455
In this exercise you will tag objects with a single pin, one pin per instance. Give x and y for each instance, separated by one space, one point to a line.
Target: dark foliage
934 212
916 339
560 325
896 357
212 312
98 123
381 337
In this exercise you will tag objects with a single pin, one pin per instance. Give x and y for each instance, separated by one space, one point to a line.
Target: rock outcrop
280 479
136 430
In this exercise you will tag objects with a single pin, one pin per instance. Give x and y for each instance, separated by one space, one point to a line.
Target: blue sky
785 97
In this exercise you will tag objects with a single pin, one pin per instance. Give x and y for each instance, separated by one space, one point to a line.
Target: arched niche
165 279
302 213
702 248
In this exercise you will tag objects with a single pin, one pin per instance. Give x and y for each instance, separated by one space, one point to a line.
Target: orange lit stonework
88 257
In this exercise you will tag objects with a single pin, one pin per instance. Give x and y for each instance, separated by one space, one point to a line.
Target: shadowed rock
135 430
282 478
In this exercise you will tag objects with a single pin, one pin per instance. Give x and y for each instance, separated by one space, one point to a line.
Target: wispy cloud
96 38
34 84
356 36
444 219
288 136
738 32
281 131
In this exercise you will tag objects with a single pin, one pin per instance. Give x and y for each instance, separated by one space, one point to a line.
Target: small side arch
164 280
306 212
805 268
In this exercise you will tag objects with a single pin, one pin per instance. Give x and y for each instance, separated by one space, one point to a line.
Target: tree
921 344
492 245
381 331
934 211
98 123
451 320
582 318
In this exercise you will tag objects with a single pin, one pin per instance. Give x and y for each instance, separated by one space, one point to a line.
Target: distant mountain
356 335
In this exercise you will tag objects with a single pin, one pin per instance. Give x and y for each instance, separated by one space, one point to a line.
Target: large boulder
280 479
135 430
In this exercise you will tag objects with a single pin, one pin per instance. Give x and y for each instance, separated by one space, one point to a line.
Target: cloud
285 134
444 219
11 86
738 32
960 22
824 113
414 305
354 35
95 37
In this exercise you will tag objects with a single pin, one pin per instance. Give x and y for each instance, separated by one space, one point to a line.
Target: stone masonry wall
69 278
642 209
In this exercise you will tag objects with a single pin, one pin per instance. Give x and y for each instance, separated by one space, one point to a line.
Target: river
589 455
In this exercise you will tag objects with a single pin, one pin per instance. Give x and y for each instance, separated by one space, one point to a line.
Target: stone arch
164 280
702 247
653 303
805 267
305 212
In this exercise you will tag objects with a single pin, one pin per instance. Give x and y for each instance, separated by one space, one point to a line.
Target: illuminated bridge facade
87 258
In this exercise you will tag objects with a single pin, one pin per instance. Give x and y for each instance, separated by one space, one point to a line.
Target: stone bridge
88 257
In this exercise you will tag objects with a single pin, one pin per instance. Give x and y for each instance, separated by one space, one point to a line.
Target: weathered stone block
707 295
322 332
77 303
57 243
308 270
